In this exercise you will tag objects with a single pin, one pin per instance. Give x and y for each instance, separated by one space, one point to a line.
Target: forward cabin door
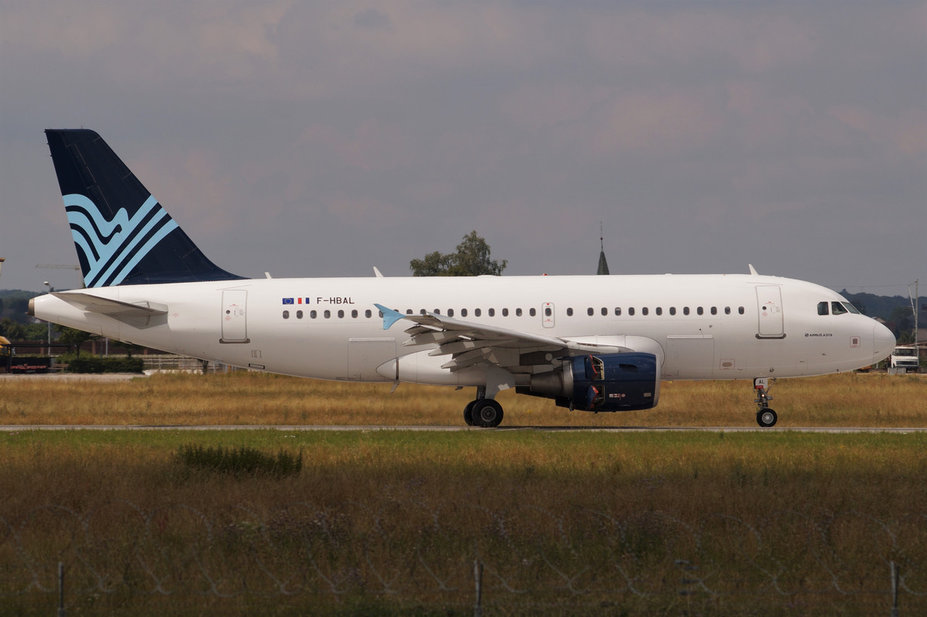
234 316
769 306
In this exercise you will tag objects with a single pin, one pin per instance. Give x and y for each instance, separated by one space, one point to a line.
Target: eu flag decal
288 300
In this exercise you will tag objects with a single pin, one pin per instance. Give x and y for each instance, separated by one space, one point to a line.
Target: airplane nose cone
883 342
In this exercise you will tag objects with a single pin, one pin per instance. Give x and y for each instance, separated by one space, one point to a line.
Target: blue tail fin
122 234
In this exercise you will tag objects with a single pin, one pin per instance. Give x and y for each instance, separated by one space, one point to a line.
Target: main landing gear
765 416
484 412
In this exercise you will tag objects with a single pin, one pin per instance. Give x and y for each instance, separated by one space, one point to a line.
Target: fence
171 362
171 558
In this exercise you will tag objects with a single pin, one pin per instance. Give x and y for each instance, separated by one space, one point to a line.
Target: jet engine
606 382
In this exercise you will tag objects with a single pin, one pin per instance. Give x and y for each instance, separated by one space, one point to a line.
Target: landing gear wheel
486 413
468 413
766 417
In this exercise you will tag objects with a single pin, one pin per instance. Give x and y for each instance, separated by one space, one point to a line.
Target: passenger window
368 313
822 308
477 312
299 314
505 312
314 314
604 311
570 311
286 314
714 310
518 312
837 309
741 310
685 310
645 311
492 312
727 310
700 311
327 314
618 311
659 310
463 312
631 311
589 311
532 312
340 314
450 312
672 310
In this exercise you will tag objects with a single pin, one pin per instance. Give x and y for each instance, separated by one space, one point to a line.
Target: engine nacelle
607 382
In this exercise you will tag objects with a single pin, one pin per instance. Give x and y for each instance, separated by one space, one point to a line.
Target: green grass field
391 522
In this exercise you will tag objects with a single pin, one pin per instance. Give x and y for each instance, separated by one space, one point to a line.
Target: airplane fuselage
701 326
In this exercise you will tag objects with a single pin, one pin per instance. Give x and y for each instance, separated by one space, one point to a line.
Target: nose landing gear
765 416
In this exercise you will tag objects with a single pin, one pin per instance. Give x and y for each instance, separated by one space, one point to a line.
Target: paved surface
103 377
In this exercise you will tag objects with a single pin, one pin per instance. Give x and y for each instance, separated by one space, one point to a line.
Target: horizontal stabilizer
141 314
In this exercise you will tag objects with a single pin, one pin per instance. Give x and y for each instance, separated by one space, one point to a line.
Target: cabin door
234 316
769 305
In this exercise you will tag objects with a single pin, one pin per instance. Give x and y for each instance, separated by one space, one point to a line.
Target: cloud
903 135
403 125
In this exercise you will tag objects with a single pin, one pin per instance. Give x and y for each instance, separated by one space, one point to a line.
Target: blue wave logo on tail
112 248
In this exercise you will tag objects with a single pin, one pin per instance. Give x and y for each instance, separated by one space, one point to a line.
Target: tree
473 257
74 338
901 323
16 331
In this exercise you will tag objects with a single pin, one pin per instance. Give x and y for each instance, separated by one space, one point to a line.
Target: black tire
468 413
487 413
766 417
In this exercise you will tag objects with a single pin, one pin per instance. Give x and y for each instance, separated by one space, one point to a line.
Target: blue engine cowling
614 382
604 382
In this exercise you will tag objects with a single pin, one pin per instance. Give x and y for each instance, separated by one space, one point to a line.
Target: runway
17 428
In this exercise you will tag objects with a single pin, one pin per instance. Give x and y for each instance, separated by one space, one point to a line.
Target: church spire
603 264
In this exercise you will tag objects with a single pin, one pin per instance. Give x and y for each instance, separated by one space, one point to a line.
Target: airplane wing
139 314
469 343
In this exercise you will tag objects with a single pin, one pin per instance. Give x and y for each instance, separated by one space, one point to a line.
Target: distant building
603 264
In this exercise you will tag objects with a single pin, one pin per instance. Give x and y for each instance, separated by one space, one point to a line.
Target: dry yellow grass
873 400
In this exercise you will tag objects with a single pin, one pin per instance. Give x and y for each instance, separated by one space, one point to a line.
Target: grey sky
322 138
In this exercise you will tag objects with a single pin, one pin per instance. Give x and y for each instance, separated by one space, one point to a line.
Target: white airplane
594 343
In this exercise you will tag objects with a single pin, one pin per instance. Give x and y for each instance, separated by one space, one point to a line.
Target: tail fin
122 234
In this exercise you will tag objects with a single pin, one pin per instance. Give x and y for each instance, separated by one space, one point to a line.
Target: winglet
389 316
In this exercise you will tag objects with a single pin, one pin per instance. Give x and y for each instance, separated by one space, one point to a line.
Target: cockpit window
836 308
